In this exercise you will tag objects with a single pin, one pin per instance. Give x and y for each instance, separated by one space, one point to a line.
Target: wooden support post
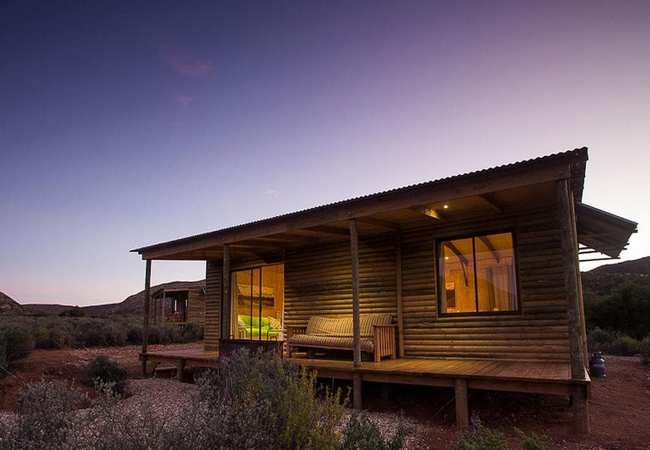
400 312
145 326
225 294
462 411
356 321
180 368
580 408
581 301
164 302
570 258
356 391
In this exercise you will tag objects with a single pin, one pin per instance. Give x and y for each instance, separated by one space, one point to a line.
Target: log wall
318 280
196 306
539 331
212 304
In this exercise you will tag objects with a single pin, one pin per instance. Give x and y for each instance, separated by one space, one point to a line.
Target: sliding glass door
257 301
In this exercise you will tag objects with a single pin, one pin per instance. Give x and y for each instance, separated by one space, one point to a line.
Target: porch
537 377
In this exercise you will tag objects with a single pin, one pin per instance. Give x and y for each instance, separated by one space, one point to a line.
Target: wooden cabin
478 271
178 304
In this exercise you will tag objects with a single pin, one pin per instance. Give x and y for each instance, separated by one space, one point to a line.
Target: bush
134 335
46 416
57 332
101 369
532 442
626 310
255 403
481 438
15 343
599 340
192 332
625 346
363 434
261 402
73 312
645 350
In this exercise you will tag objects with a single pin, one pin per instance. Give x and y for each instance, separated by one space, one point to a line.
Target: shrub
363 434
57 332
532 442
599 340
260 401
625 309
645 350
15 343
73 312
106 371
134 335
192 332
46 416
91 337
481 438
625 346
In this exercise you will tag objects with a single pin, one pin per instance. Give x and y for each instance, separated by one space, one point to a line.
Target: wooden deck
515 376
194 357
543 377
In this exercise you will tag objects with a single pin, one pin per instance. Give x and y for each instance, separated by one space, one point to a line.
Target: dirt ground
68 364
619 408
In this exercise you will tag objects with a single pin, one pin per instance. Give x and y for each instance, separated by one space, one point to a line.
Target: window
257 299
477 274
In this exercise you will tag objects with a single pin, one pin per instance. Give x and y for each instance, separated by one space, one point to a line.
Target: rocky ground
619 408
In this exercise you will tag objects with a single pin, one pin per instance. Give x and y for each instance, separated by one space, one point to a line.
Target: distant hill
56 309
638 267
134 304
9 307
602 279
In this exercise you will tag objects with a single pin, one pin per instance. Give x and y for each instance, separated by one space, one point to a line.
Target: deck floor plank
415 368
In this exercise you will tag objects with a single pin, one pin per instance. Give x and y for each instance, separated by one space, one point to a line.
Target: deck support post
180 368
145 325
398 276
356 320
225 294
462 411
566 215
580 408
568 233
356 391
162 309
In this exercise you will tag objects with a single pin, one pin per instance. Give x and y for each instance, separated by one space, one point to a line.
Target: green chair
249 328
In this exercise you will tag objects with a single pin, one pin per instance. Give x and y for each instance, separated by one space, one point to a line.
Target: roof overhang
601 231
278 232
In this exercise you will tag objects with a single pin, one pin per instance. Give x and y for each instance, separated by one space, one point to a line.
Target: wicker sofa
377 335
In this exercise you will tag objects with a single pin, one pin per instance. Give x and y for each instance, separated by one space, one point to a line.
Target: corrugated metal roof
603 231
579 155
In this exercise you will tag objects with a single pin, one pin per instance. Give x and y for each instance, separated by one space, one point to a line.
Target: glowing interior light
446 206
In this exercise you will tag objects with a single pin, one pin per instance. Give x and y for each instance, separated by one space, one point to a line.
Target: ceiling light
446 206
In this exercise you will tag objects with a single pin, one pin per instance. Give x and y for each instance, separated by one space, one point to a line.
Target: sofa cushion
367 344
342 327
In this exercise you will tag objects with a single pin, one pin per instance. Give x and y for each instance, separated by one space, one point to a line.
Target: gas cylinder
597 365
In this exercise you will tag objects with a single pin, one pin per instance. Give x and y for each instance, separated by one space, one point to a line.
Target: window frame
439 279
252 268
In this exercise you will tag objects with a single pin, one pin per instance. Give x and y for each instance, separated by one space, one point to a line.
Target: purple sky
130 123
